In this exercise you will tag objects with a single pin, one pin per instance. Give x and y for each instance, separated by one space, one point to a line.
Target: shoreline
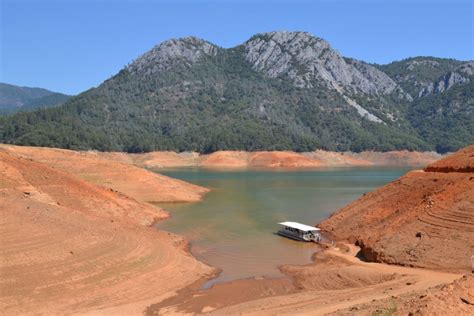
252 292
345 274
331 281
274 160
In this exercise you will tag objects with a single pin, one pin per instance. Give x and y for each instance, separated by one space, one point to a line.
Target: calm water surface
234 227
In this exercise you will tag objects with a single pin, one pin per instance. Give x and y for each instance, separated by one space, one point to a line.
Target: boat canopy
302 227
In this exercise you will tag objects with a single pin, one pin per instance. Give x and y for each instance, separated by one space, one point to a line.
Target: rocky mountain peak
287 37
171 52
308 60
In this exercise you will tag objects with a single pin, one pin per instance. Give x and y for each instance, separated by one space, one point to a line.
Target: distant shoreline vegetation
278 91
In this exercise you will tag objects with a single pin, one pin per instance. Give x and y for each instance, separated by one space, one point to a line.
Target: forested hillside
277 91
16 99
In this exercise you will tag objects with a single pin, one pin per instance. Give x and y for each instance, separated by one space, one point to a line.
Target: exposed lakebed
234 227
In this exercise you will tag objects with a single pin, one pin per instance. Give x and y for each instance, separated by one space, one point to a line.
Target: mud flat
70 246
336 282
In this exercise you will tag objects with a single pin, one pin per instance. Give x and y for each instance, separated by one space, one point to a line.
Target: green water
234 227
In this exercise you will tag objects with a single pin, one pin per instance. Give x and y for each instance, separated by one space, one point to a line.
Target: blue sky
72 45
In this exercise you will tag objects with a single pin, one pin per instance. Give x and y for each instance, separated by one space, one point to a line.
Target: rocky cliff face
444 83
172 52
308 61
276 91
424 76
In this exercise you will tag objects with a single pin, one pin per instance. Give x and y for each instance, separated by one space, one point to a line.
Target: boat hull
294 237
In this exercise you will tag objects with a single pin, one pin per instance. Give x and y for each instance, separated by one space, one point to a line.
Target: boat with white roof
299 231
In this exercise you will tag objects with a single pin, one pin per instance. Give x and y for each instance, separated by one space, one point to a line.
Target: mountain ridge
276 91
16 98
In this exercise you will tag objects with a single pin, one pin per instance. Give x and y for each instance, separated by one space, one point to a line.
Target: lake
234 227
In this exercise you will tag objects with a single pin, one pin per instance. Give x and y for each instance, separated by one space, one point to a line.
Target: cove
234 227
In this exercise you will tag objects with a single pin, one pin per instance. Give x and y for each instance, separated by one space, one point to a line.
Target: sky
70 46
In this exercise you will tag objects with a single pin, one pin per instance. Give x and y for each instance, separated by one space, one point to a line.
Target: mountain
276 91
14 99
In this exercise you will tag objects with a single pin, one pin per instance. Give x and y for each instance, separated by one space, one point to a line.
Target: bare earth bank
425 219
71 246
273 159
74 225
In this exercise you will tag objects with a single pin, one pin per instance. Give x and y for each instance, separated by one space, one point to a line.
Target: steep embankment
69 246
97 168
155 159
397 158
424 219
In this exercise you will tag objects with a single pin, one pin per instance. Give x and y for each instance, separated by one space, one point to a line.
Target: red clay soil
335 159
69 246
462 161
456 298
154 160
397 158
133 181
270 159
423 219
336 281
225 159
282 159
278 159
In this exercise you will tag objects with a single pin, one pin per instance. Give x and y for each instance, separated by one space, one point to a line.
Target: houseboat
299 231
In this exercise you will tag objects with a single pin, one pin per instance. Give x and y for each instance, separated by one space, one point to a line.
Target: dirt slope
225 159
133 181
397 158
456 298
462 161
156 159
334 159
336 282
278 159
271 159
282 159
69 246
423 219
